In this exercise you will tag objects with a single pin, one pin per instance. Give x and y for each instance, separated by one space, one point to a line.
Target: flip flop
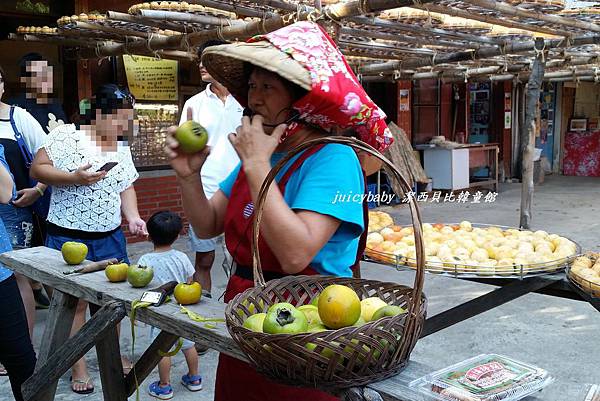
127 369
127 365
86 382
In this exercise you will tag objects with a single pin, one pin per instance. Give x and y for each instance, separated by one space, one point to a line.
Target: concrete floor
557 334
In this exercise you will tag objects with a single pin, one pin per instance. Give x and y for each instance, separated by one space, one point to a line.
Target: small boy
170 264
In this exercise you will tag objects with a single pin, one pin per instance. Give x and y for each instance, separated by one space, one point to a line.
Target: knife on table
92 267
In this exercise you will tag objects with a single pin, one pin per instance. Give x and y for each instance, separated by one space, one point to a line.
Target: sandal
127 365
87 383
127 369
192 383
3 371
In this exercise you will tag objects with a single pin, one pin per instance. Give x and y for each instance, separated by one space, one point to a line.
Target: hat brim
225 63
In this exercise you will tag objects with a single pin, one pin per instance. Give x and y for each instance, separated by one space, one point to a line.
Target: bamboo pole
392 37
534 86
93 35
249 29
578 79
512 11
362 7
178 55
370 56
457 12
48 39
512 72
374 46
115 30
240 10
424 31
475 54
188 18
138 19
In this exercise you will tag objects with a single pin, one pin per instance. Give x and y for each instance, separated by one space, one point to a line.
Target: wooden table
109 304
508 289
483 155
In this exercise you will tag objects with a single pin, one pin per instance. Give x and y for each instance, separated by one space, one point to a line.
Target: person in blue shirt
16 350
297 87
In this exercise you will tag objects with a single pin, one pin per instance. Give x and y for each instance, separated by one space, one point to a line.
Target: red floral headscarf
336 98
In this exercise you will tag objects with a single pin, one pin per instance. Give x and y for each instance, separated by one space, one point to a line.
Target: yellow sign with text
149 78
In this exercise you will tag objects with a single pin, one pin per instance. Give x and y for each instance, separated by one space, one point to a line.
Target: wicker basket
347 357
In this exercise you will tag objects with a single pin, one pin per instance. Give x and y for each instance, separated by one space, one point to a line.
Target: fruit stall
115 291
350 336
202 322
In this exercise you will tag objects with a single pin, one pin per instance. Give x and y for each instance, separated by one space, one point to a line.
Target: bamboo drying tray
408 15
587 14
584 279
180 6
464 270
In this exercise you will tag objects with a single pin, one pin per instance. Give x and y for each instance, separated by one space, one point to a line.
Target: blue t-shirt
328 182
4 240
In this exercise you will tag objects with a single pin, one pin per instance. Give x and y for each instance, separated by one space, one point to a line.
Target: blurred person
92 173
16 350
21 136
37 81
217 111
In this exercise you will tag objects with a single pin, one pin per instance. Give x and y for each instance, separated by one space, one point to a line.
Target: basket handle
356 144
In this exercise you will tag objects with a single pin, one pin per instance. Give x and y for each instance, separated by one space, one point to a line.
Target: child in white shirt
170 265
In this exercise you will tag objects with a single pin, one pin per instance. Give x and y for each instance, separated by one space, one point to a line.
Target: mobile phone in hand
107 167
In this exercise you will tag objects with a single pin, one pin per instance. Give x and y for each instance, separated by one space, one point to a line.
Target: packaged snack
487 377
593 393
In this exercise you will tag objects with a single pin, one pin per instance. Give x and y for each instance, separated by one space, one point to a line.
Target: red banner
582 154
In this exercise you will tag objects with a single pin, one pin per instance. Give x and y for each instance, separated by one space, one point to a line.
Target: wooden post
109 363
526 146
58 328
42 385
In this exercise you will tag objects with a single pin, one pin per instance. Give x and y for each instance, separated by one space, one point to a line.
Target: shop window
148 146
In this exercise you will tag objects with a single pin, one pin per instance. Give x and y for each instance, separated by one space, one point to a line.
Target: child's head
164 228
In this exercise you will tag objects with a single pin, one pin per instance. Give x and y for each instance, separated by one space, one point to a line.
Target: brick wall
156 190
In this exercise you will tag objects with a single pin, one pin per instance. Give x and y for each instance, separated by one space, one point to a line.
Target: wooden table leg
148 361
42 385
483 303
57 331
109 363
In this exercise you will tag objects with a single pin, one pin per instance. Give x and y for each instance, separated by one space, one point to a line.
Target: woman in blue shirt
16 351
299 87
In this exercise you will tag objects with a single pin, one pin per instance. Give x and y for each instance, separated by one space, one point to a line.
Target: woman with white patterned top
88 198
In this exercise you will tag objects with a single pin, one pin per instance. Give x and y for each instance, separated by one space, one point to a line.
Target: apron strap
282 183
296 165
362 242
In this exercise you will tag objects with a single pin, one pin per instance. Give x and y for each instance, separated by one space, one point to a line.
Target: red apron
236 380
